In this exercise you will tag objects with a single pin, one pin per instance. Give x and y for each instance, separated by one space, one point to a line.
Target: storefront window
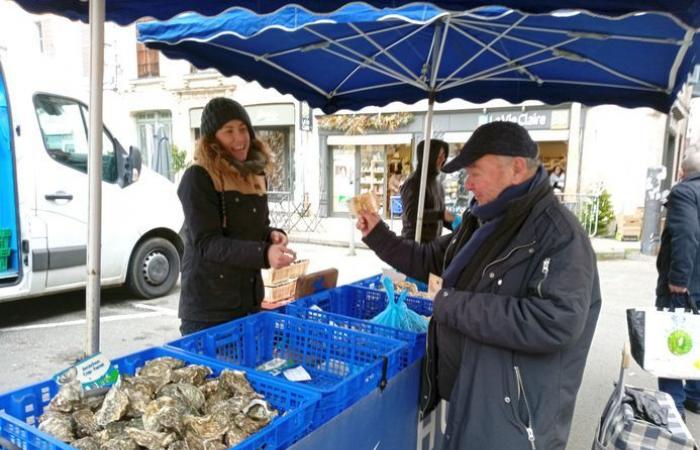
278 139
382 170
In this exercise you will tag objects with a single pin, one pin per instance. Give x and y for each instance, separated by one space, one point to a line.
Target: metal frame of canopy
465 24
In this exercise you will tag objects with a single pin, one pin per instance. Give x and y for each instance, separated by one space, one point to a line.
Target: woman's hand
278 255
277 237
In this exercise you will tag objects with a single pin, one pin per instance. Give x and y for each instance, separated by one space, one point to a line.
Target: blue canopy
360 56
127 11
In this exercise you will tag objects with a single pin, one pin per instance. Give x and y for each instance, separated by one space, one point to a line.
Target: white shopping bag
666 343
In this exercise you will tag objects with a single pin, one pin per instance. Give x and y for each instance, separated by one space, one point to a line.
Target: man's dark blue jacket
678 262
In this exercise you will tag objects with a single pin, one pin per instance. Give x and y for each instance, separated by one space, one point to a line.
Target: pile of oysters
166 405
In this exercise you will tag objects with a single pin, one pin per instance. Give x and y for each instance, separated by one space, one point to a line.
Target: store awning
371 139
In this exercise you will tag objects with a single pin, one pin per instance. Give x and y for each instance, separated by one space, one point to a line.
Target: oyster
120 443
229 408
69 397
114 406
85 424
260 411
197 443
209 388
86 443
205 427
178 445
164 413
155 364
234 436
193 374
59 426
247 425
235 382
140 392
159 371
94 402
188 394
152 440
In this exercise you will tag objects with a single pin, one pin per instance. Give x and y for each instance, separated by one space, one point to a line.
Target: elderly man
512 326
678 265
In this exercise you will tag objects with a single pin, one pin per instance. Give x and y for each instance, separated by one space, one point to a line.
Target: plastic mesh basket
344 365
4 259
352 307
22 408
5 234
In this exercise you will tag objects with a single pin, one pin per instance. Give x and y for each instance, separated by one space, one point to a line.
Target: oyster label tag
93 372
297 374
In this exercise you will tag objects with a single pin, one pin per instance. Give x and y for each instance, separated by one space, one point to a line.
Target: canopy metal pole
438 46
92 293
427 133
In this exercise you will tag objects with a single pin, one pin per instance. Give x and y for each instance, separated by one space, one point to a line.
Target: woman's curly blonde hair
211 156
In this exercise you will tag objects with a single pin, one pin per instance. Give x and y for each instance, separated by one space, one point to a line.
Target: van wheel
154 268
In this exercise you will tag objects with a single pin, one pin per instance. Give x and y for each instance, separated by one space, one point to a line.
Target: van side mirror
128 164
134 162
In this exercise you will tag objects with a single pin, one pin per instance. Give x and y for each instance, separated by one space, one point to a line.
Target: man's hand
277 237
366 221
279 256
677 289
449 217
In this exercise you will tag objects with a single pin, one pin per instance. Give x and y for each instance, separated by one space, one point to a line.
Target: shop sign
537 120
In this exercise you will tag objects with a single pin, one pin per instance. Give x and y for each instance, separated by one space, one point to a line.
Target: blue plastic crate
375 282
365 302
348 306
344 365
20 409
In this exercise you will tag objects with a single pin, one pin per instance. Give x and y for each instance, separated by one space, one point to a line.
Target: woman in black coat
435 216
228 237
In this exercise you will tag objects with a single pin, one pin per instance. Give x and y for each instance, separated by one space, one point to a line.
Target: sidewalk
336 232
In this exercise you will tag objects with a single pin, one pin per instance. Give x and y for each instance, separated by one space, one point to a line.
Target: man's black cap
495 138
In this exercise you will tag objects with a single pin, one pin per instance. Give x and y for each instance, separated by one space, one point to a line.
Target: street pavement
39 337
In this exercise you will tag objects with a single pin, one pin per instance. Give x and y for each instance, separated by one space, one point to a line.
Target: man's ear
520 168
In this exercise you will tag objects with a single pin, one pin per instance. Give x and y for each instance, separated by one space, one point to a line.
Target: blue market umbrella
359 56
127 11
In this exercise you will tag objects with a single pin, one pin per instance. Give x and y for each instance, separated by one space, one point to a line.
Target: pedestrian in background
512 326
228 237
678 265
557 179
435 216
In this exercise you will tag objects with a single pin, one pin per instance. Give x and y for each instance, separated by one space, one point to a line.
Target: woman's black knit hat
221 110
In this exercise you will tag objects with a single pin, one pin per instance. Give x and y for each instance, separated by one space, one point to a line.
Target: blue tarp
127 11
360 56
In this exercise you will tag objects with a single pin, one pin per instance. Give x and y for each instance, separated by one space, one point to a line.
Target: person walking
435 216
513 323
678 264
228 237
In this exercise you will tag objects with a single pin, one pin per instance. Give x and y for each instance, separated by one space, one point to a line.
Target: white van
44 202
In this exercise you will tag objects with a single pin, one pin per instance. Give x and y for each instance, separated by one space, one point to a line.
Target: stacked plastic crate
280 284
5 235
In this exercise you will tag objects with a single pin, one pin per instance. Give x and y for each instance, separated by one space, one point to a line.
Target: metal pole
351 249
427 133
439 38
92 293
